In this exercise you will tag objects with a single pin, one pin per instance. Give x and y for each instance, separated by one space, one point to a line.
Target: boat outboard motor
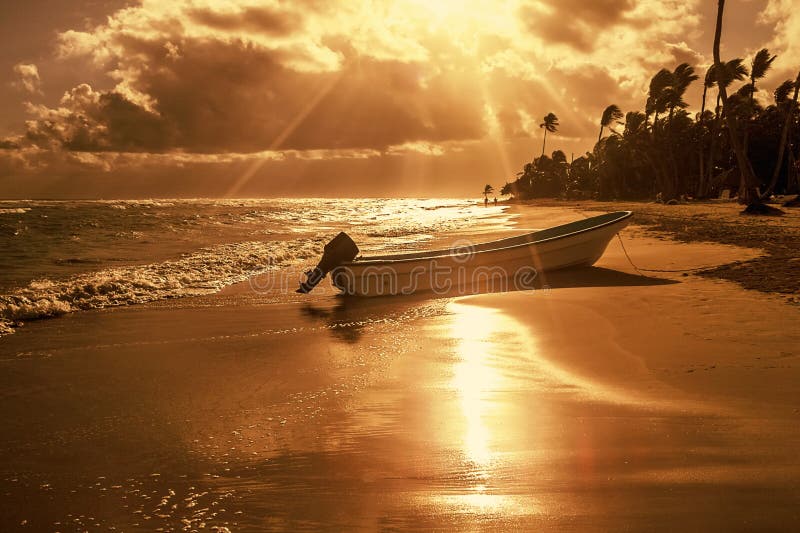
340 250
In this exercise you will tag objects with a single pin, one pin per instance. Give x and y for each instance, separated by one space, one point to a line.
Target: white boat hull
507 264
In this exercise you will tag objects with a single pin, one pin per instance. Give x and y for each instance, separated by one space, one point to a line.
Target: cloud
231 97
785 17
28 78
8 144
202 84
251 18
575 23
87 120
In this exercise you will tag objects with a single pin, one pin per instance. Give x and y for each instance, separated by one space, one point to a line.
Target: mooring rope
640 270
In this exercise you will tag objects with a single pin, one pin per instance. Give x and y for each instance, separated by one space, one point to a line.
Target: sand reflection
475 379
481 383
508 410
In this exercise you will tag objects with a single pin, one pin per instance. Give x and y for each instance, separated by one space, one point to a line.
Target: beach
635 395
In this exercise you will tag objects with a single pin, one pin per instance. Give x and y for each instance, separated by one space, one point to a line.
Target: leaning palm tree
611 114
748 185
783 91
487 191
790 106
634 121
724 75
708 82
550 124
682 77
671 99
762 62
655 98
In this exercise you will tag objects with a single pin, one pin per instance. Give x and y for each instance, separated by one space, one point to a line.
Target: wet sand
602 401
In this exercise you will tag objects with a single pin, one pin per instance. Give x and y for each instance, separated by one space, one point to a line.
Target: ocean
58 257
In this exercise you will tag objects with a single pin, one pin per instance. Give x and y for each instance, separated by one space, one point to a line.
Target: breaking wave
202 272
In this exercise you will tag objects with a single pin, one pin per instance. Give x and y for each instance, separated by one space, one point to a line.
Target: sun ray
298 119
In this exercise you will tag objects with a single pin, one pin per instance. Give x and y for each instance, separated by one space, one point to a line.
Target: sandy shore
774 271
602 401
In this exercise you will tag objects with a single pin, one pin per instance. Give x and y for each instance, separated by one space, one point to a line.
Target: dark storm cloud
92 121
575 23
214 96
7 144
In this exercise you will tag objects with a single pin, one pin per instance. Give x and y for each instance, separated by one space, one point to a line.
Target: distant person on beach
486 192
495 200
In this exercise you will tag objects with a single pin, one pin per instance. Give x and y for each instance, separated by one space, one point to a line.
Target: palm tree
748 185
487 191
723 76
762 62
728 72
611 114
507 189
682 77
708 82
655 99
782 92
634 120
790 107
550 124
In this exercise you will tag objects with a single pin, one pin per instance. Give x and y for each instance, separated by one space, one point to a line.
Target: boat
512 263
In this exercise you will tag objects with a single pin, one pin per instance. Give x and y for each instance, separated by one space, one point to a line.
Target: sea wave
202 272
14 210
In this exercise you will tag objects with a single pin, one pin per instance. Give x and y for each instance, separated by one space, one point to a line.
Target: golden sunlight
475 378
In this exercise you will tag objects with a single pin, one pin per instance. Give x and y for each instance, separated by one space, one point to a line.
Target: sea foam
202 272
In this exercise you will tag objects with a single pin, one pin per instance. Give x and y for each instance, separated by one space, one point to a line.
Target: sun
461 17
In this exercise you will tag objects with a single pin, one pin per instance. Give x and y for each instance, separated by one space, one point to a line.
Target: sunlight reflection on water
479 383
474 379
498 362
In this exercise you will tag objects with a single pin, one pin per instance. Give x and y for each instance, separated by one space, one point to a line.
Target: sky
259 98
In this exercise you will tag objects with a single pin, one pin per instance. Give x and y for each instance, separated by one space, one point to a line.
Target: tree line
733 143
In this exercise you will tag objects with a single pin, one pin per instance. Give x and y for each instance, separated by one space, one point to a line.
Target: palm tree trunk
701 186
712 149
544 141
747 124
784 137
676 181
601 133
748 185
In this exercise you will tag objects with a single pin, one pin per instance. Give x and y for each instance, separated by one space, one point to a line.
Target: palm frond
611 114
659 82
762 62
733 70
709 80
782 92
550 123
683 76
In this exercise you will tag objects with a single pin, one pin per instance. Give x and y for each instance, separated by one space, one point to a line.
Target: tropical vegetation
748 147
